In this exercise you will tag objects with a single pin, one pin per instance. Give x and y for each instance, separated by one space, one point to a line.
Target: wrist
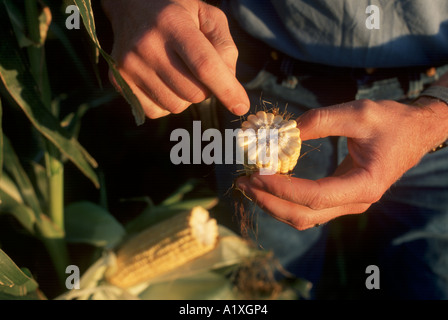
438 111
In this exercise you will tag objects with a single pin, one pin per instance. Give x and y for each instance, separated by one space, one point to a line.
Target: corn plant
33 191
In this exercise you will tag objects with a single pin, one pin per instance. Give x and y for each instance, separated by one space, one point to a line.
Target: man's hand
385 139
173 53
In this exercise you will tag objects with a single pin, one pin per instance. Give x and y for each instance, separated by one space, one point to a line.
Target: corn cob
164 247
281 153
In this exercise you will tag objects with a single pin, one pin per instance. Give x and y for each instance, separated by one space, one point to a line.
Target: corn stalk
53 162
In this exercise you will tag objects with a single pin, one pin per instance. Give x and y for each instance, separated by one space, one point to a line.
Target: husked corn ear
268 141
164 247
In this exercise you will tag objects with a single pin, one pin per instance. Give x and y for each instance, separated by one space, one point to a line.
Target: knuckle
318 116
367 110
216 13
204 67
302 223
318 201
127 62
219 14
375 188
167 17
178 108
196 96
374 197
154 113
213 15
230 50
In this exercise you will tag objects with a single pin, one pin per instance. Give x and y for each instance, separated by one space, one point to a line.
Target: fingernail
240 109
256 182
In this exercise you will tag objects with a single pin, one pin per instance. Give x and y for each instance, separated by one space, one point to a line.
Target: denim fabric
407 230
412 32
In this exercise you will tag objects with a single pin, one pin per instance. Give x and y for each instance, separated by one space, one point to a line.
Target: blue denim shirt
334 32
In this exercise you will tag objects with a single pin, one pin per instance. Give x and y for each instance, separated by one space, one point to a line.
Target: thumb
338 120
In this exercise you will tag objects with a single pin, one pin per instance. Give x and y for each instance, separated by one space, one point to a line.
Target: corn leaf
13 166
34 295
206 203
86 12
22 213
14 281
19 86
40 181
153 215
19 25
86 222
180 192
48 231
13 203
9 186
1 142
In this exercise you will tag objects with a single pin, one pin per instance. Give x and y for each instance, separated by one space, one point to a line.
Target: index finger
205 63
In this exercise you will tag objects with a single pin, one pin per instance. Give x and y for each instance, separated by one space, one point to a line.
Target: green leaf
153 215
206 203
1 142
48 231
86 12
45 19
14 281
137 110
9 186
18 23
177 195
13 166
72 122
86 222
12 203
40 181
19 85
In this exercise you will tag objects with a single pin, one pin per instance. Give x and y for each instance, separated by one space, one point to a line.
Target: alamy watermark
72 281
373 20
373 280
72 21
261 147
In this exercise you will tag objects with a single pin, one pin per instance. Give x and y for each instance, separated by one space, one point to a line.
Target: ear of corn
164 247
273 143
